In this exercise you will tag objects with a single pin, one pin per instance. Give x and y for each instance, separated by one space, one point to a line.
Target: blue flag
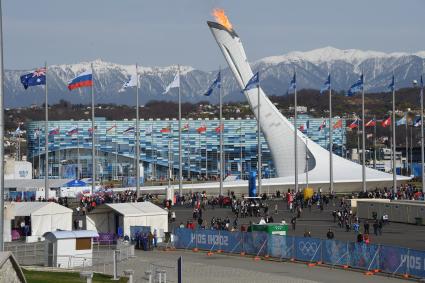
253 82
327 85
38 77
293 83
402 121
392 84
216 84
356 87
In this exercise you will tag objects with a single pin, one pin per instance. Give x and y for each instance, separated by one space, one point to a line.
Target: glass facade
70 148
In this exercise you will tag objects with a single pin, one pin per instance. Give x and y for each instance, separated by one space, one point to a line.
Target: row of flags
386 122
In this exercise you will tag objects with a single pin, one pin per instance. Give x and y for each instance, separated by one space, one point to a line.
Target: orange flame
221 18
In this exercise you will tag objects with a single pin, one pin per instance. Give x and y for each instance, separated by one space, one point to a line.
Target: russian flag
72 131
82 80
54 131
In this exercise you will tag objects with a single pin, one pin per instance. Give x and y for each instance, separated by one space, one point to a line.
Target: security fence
389 259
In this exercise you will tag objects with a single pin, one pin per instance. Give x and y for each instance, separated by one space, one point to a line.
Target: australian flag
356 87
38 77
327 85
253 82
216 84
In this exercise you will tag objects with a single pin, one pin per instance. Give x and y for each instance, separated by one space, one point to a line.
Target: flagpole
331 170
93 147
39 158
259 137
374 143
407 147
363 146
78 153
1 135
221 136
137 137
295 140
46 140
188 151
306 160
180 139
240 141
394 143
422 136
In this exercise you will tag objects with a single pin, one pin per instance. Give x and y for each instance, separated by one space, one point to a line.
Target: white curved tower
278 131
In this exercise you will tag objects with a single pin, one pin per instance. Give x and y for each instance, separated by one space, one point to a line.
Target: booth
118 218
69 249
32 219
270 228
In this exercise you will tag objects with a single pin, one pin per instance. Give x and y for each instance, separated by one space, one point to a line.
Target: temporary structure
39 217
114 217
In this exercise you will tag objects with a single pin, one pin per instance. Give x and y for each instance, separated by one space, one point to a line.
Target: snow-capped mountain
312 68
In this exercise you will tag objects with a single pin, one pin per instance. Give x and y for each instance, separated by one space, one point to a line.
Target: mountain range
312 68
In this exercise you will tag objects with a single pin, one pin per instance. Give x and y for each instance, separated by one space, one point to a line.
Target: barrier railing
368 257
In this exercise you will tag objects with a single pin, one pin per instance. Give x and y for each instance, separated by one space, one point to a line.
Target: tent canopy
76 183
137 209
51 236
39 208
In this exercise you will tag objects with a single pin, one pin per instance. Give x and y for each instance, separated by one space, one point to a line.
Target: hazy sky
164 32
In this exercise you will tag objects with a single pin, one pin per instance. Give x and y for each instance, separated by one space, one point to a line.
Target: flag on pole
185 127
165 130
37 77
54 131
132 82
391 86
149 130
305 126
202 129
72 131
371 123
109 130
417 122
216 84
369 136
386 122
327 85
323 125
84 79
354 124
37 133
253 82
90 130
293 83
219 128
401 121
356 87
17 131
175 83
422 82
129 130
338 124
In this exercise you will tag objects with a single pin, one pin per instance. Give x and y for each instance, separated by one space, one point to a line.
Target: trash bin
167 237
418 221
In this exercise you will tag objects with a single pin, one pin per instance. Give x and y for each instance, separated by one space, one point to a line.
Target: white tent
108 217
45 217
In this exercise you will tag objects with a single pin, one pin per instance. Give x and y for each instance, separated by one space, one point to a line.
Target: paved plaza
317 222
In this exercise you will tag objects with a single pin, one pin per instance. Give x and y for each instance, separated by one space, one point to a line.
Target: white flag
148 130
132 82
175 83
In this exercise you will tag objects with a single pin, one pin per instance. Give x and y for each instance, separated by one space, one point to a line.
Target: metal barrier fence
101 259
389 259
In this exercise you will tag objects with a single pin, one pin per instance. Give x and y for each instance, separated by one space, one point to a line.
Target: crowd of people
404 192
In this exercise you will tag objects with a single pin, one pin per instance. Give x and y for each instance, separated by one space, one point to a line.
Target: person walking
294 222
330 235
366 227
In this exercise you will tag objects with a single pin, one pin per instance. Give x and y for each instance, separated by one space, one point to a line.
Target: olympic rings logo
307 248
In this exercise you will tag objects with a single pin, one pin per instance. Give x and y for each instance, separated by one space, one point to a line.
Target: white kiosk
68 249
